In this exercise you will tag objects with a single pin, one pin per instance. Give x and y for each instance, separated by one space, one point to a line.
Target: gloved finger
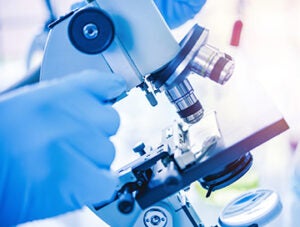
94 147
99 186
104 86
176 12
82 181
70 110
87 111
106 119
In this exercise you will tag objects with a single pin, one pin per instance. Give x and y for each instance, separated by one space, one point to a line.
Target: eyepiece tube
188 106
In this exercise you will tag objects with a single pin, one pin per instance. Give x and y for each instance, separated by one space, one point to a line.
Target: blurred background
268 52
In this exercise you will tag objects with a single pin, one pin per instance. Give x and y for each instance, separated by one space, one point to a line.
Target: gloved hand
55 152
176 12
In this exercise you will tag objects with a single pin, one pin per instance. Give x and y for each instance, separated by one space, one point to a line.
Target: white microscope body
131 38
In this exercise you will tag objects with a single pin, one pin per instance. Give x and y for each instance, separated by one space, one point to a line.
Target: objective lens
187 105
210 62
195 56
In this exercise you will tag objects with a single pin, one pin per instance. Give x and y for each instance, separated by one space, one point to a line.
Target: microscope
131 38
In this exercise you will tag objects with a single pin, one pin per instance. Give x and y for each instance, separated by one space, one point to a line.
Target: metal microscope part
155 217
195 56
231 173
177 69
210 62
253 208
148 186
126 201
204 59
188 106
91 30
100 36
192 143
217 160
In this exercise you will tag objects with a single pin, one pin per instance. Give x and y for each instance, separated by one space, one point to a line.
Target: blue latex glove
177 12
55 152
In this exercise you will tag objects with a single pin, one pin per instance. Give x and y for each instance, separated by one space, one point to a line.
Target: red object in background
236 33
